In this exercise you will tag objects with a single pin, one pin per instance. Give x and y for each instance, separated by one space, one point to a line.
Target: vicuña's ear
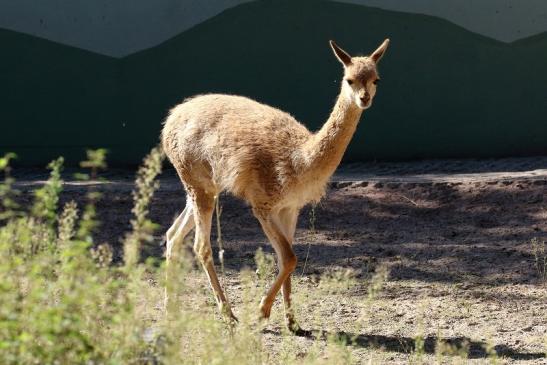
377 55
342 55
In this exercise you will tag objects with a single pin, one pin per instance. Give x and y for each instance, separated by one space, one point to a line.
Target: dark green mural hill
445 91
55 99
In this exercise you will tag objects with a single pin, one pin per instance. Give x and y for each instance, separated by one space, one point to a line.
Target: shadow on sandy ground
406 345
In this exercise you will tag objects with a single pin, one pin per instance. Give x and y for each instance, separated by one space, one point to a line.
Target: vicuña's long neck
324 151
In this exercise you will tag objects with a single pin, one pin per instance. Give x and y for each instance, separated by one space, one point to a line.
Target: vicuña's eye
349 81
375 82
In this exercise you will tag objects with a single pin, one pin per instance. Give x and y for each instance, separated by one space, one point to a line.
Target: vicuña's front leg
286 221
286 259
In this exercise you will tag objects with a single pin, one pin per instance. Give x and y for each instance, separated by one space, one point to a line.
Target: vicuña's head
360 74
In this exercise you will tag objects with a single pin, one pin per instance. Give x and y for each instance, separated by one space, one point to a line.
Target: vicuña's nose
365 99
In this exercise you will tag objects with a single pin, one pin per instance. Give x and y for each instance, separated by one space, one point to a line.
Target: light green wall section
120 27
504 20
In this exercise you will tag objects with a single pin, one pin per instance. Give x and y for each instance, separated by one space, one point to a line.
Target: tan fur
263 155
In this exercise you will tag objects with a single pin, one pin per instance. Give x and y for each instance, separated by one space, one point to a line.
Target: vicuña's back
242 146
223 142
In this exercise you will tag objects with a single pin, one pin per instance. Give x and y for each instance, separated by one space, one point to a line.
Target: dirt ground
454 235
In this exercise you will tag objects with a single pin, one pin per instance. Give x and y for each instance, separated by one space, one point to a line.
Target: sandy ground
455 236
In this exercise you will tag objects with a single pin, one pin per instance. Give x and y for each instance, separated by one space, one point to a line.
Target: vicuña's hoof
228 315
292 325
232 318
298 331
265 309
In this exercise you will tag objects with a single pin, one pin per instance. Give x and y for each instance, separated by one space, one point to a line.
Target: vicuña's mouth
364 106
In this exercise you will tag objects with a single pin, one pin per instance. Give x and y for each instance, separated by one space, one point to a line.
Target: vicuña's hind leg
175 237
203 213
181 227
286 259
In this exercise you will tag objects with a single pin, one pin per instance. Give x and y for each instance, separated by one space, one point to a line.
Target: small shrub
61 302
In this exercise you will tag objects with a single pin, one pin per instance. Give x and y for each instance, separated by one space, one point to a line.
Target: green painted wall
445 92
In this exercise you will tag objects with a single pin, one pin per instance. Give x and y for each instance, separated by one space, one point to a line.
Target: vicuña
263 155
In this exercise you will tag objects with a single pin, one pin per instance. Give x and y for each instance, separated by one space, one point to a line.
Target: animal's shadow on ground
438 233
407 345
